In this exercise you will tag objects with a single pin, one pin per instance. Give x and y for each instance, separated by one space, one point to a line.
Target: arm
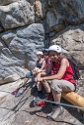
43 65
59 75
48 70
37 70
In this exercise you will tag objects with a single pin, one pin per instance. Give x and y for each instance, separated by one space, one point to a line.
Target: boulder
20 110
38 10
6 2
63 13
16 14
19 51
71 40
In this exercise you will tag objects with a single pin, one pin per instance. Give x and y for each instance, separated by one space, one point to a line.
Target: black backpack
75 68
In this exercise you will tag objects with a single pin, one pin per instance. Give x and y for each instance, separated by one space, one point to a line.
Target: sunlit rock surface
18 50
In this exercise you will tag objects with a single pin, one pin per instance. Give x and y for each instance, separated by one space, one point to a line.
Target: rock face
6 2
62 21
64 13
38 10
18 50
27 26
20 110
16 14
72 40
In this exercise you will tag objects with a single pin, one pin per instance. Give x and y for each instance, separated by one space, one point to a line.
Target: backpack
75 68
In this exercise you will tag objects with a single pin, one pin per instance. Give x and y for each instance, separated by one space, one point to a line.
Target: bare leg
25 80
56 96
28 75
46 86
39 85
56 109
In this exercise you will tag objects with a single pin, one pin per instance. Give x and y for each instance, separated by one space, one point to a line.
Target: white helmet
55 48
39 53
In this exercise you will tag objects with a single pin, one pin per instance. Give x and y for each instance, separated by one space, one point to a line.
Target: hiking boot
15 92
40 94
34 89
38 102
55 113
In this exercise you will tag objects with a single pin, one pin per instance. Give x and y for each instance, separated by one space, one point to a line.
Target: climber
61 79
45 72
40 65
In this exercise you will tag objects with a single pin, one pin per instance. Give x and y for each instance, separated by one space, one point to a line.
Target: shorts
61 85
29 74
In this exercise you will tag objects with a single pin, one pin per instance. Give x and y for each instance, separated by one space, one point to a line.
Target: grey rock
6 2
15 15
71 40
63 13
1 45
19 111
19 51
8 36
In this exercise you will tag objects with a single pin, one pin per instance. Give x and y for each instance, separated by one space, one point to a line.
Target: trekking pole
16 108
15 91
25 85
8 91
36 99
